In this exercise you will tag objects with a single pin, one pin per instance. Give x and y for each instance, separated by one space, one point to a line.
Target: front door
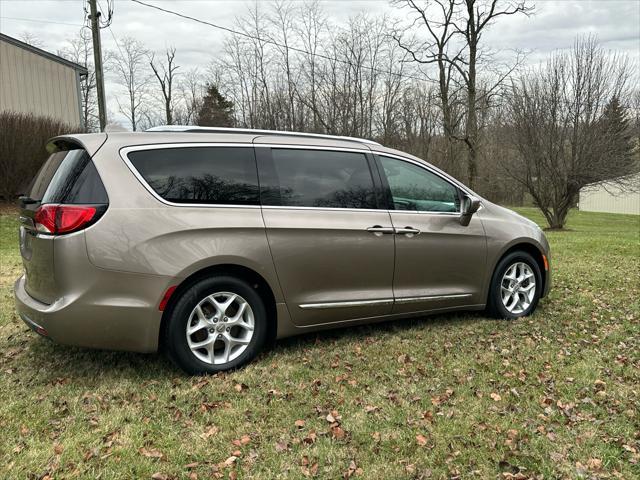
439 263
332 247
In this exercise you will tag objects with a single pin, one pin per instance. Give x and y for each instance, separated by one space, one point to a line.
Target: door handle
408 231
379 230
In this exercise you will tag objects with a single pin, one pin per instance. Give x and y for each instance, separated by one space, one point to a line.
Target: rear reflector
166 297
58 219
40 330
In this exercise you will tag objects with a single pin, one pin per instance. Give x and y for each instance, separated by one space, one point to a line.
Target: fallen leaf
150 452
311 438
421 439
281 447
337 432
351 469
300 423
495 397
231 460
200 384
594 463
209 432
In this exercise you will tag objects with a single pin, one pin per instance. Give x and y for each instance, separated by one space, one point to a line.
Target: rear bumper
114 321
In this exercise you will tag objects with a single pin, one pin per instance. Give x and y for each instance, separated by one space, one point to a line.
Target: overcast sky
554 25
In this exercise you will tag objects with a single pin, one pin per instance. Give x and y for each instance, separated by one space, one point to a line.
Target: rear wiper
27 200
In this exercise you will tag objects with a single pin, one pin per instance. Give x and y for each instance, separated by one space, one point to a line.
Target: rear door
331 245
439 263
67 177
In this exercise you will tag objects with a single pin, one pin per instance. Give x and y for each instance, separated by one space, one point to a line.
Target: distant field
554 395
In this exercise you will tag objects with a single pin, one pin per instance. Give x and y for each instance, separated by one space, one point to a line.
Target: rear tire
217 324
516 286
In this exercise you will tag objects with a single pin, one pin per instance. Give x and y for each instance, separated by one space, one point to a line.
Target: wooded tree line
426 84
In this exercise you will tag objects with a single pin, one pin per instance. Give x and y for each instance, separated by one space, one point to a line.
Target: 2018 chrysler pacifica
209 241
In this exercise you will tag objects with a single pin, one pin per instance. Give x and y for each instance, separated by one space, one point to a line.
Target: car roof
179 134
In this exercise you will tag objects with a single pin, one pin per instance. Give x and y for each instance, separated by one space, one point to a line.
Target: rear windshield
68 177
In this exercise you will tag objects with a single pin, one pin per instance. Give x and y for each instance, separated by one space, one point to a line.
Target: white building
38 82
607 197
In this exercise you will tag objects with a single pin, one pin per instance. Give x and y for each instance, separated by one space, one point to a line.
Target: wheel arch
532 249
242 272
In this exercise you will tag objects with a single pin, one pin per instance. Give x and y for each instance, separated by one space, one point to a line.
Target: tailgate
67 177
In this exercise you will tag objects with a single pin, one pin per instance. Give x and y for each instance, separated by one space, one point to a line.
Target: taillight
57 219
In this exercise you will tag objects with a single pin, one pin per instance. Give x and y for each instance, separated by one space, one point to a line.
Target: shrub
22 149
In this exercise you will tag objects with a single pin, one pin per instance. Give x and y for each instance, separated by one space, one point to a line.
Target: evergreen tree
618 136
215 110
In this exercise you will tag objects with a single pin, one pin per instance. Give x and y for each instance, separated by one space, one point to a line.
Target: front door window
416 189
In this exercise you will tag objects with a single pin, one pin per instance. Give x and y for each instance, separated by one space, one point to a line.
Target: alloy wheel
220 328
518 288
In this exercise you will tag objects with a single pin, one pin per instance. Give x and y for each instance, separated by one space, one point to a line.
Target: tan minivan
208 242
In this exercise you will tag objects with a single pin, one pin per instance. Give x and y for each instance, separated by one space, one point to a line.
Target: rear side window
318 178
211 175
69 177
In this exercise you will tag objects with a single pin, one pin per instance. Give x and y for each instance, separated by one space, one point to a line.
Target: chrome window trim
124 151
124 154
337 209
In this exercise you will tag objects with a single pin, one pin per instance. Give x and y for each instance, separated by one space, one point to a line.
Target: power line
41 21
116 42
273 42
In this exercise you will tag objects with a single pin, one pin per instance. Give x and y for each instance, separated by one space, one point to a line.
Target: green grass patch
556 395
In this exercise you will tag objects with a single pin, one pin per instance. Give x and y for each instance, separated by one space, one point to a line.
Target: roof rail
190 128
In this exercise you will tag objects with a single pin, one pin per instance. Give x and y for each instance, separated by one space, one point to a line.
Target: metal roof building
608 197
38 82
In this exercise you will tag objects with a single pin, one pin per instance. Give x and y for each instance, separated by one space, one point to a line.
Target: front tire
217 324
516 286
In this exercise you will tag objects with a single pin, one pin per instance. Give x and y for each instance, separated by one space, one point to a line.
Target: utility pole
97 58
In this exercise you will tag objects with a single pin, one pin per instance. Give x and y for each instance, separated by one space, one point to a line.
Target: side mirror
470 205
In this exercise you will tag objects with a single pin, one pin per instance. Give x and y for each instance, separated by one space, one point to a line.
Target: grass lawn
556 395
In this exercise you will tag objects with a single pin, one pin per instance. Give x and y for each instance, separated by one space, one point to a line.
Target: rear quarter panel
142 234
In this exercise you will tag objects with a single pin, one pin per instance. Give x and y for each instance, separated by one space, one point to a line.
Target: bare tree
567 128
80 51
310 29
31 39
454 29
283 21
191 87
128 65
165 73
